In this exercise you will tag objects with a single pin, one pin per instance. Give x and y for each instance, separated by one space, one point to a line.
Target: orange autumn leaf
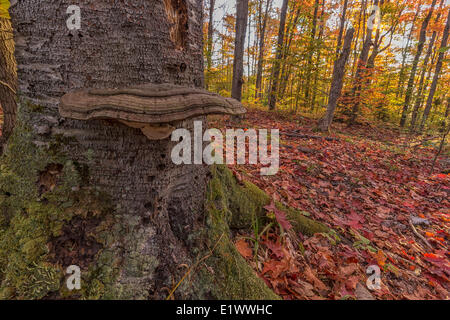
243 248
381 258
431 255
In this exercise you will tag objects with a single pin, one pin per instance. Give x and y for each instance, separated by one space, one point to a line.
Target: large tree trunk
412 75
238 64
276 64
98 194
8 81
437 72
337 82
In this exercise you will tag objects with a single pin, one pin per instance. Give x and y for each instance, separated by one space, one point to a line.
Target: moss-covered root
227 275
229 204
248 201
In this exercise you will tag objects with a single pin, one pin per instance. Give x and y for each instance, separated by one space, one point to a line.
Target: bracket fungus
155 109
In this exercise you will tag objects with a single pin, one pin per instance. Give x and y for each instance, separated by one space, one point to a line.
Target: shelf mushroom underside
154 113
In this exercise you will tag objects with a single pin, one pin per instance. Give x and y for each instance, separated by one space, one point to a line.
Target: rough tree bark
239 44
412 75
276 64
98 194
8 81
337 82
437 72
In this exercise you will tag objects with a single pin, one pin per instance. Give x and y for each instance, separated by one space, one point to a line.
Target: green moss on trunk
40 197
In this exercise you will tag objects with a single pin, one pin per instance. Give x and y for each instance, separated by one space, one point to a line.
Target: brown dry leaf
244 249
351 282
348 270
311 277
362 293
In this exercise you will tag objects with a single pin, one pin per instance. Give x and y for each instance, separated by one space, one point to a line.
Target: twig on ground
194 267
421 237
8 86
441 145
306 136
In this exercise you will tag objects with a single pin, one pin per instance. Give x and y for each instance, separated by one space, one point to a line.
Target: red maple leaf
279 215
276 248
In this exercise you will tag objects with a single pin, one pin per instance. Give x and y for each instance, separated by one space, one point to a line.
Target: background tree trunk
412 75
401 78
341 26
310 54
317 62
437 72
98 194
262 35
360 71
422 84
420 88
209 45
337 82
287 64
238 64
276 64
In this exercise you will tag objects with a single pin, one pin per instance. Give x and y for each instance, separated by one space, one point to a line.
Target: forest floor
372 186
